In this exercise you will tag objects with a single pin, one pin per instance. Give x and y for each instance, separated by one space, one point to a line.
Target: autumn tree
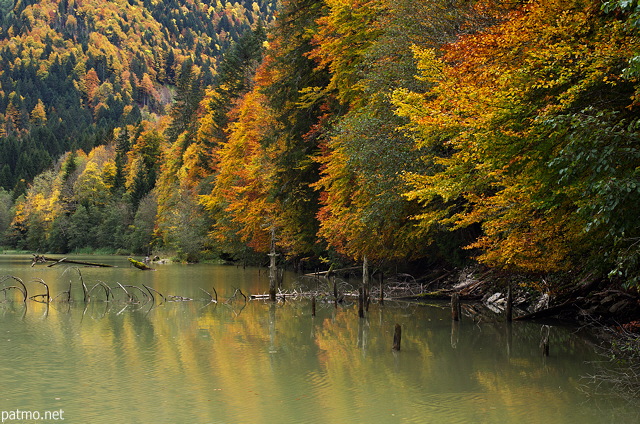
529 116
367 48
240 202
38 115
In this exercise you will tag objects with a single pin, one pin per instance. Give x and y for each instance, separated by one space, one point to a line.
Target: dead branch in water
46 296
107 289
138 288
149 289
174 298
234 296
68 292
22 287
547 312
213 300
85 292
125 290
24 294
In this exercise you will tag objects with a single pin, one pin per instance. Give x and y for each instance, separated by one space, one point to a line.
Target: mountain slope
71 70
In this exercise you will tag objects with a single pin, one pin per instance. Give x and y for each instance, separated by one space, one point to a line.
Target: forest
422 133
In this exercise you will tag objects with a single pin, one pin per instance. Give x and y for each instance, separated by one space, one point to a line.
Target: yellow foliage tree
495 122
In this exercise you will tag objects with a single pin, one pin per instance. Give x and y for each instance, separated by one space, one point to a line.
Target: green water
256 362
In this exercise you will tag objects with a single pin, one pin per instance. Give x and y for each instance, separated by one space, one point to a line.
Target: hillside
71 71
407 134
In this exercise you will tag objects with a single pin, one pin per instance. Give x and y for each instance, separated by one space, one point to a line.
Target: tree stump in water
509 308
397 337
455 307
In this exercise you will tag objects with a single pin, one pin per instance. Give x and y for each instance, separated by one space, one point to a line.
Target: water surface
256 362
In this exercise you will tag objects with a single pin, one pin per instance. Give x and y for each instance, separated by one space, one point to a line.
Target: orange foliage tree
240 198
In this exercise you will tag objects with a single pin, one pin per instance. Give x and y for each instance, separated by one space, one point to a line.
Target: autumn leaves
412 129
510 126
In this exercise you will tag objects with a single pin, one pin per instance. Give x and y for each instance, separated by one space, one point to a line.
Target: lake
237 361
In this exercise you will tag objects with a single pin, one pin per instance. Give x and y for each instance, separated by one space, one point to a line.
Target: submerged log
268 295
45 259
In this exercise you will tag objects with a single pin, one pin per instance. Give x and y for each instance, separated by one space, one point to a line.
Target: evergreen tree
122 148
186 103
235 77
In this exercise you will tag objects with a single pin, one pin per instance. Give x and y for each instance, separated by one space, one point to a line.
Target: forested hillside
433 131
71 71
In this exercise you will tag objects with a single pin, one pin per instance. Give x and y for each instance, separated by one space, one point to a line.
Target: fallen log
140 265
44 259
314 274
547 312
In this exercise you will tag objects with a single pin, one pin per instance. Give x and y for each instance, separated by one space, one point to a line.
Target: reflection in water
259 362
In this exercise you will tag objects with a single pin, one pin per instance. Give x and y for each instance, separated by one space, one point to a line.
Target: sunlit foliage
538 139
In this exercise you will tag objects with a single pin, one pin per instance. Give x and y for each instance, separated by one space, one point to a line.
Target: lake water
257 362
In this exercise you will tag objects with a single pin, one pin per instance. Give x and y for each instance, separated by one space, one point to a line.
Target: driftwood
24 294
126 291
243 295
44 259
68 293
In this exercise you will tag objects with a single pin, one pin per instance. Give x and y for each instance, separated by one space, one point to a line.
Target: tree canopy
435 131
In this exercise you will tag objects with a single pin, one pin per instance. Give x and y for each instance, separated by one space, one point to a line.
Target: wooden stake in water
397 337
544 343
313 306
509 308
365 286
335 291
273 271
455 307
